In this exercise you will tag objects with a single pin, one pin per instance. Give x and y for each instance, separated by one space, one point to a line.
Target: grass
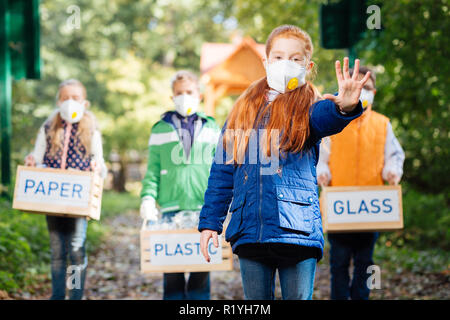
24 239
406 257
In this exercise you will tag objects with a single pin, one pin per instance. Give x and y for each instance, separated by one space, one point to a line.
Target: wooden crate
57 192
361 208
180 261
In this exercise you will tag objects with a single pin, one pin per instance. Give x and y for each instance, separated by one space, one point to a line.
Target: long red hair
289 112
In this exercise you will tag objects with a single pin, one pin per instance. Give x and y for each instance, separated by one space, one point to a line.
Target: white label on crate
53 188
181 248
363 206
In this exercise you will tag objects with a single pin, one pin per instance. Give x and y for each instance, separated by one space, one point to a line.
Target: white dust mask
185 104
71 111
285 75
366 97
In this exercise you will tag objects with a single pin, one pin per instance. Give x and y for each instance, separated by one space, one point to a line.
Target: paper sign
59 189
71 193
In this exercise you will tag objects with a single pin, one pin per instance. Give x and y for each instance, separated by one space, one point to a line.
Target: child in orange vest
371 154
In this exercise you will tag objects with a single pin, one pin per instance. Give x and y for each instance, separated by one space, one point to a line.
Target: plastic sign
178 250
362 208
175 249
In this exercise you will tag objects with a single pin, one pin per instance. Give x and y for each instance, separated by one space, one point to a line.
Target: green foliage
400 258
124 52
24 245
114 204
423 245
413 85
410 56
426 220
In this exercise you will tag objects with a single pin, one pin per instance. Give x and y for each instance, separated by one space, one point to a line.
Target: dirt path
113 273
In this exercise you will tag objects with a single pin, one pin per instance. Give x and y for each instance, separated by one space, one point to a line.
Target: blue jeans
344 247
198 286
174 284
296 280
67 240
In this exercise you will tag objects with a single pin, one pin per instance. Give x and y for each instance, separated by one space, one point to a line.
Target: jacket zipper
260 188
260 207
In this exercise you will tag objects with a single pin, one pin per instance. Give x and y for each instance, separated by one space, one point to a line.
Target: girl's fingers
355 70
346 73
215 240
338 71
364 80
204 239
330 97
393 179
29 161
93 165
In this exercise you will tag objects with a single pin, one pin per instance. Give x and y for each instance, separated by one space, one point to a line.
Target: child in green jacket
181 149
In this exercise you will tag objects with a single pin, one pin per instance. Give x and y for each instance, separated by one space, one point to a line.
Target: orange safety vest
357 153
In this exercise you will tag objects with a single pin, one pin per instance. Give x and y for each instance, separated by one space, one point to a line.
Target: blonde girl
69 139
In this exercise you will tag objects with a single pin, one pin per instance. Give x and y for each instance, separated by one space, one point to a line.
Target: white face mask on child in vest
71 111
366 98
285 75
185 104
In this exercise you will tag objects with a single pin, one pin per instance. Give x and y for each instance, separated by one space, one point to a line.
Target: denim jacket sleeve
326 119
219 192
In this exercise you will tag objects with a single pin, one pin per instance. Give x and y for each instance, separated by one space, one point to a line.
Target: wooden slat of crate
360 226
146 267
93 211
95 204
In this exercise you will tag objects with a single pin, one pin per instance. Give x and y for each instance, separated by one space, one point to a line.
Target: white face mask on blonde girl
76 96
72 103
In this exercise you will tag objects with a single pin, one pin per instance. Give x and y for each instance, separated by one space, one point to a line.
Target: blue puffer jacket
281 207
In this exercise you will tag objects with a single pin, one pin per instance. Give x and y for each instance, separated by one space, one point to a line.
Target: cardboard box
170 251
362 208
58 192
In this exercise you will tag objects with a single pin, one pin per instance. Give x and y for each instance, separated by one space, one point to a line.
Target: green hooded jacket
174 181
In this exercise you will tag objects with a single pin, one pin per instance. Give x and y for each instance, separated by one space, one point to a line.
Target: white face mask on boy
71 111
285 75
185 104
366 97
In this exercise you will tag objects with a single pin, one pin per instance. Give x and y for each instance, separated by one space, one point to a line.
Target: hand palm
349 86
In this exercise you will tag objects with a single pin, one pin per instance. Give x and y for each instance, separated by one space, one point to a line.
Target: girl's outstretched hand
349 87
204 240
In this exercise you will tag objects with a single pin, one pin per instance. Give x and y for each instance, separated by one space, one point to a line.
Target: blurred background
125 52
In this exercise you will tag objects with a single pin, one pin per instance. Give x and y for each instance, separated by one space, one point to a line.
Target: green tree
413 84
125 52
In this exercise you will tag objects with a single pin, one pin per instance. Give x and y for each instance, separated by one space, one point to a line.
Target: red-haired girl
267 168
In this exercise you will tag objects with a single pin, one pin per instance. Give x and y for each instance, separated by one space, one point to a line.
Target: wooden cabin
229 68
